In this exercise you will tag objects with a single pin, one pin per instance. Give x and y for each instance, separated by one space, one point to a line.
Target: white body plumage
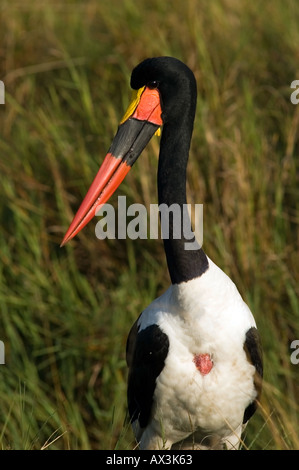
206 315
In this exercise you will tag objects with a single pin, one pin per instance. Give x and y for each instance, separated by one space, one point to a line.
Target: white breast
204 316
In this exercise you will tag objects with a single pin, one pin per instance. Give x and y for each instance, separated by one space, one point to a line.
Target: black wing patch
146 360
253 350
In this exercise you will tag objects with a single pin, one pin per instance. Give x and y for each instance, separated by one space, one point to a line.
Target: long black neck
183 265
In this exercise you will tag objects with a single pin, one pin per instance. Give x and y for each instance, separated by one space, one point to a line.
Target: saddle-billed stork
194 355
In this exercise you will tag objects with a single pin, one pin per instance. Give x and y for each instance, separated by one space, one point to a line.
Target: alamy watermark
295 354
2 92
175 222
2 353
295 95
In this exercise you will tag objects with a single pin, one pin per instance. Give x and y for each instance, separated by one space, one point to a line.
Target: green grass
66 313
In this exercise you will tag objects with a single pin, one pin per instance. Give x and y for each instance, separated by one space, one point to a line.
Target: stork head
157 84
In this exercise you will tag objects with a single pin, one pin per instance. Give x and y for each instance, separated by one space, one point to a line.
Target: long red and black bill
141 121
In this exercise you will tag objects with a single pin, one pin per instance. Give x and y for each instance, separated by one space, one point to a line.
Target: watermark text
295 95
2 92
134 222
295 354
2 353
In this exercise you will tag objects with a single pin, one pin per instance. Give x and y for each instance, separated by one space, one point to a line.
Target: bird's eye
152 85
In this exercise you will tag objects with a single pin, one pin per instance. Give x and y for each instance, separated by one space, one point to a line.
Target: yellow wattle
136 95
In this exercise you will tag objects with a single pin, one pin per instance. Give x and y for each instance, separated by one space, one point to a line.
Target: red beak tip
64 241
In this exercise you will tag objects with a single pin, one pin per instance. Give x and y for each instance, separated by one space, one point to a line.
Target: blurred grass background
65 313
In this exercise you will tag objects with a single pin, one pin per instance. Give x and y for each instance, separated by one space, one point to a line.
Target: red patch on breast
203 363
